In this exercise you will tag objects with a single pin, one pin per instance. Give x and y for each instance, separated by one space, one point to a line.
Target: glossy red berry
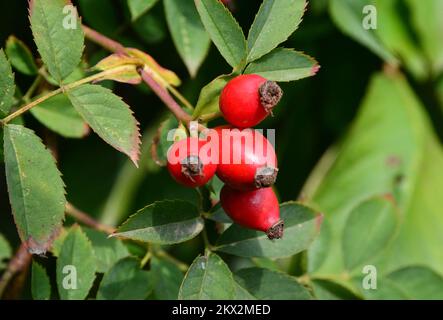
248 99
247 160
257 209
189 165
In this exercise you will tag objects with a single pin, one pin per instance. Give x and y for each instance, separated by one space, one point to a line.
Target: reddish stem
164 96
161 92
103 40
18 263
86 219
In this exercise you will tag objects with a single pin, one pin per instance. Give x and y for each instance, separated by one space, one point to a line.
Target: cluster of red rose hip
247 171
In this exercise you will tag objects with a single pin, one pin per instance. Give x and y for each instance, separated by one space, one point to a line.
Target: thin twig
28 95
165 255
209 116
87 220
102 40
147 256
29 106
181 98
161 92
95 77
19 262
164 95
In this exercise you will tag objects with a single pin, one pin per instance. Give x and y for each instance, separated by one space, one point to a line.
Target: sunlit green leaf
109 117
165 222
75 266
20 56
189 35
58 35
275 22
58 114
7 86
40 285
208 101
224 30
302 225
284 65
137 8
36 191
208 278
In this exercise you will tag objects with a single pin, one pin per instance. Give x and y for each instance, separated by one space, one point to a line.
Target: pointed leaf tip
109 116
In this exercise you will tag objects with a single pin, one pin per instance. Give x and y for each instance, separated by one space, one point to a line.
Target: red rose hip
257 209
248 99
188 165
247 160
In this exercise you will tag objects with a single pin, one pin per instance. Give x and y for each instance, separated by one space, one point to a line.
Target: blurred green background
314 114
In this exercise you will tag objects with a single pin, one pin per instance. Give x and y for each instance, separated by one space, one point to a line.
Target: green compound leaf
189 35
58 35
284 65
36 190
224 31
266 284
302 225
275 22
125 281
208 278
40 284
75 266
163 222
109 117
20 56
7 86
58 114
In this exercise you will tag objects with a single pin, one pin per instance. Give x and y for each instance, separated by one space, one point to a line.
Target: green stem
147 256
181 265
28 95
70 86
209 117
29 106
